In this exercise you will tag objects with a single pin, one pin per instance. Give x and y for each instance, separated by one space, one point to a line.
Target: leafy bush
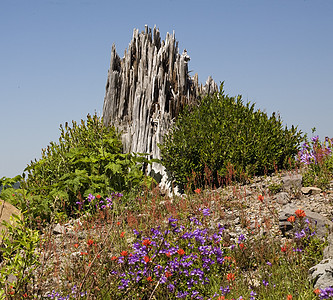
318 162
87 160
226 137
18 254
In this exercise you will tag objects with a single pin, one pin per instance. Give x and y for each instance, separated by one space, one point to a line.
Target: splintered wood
146 90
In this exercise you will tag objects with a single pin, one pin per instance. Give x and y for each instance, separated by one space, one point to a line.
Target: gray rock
310 190
321 223
11 278
322 274
292 183
282 198
59 229
328 251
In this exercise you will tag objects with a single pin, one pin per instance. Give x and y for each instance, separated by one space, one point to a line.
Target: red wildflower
230 276
284 248
316 291
291 219
11 292
124 253
147 259
98 196
90 242
122 234
25 295
181 252
168 274
289 297
261 198
76 245
146 242
114 258
149 279
168 254
241 245
300 213
118 223
198 191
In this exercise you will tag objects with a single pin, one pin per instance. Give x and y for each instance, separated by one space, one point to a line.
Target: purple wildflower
315 138
241 238
297 250
171 287
326 293
90 197
265 283
181 294
124 282
225 291
205 211
252 295
301 234
172 221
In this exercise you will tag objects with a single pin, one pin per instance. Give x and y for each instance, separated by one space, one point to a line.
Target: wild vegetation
128 241
88 159
224 136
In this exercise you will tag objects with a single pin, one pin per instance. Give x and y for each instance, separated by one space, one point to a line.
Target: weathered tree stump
146 90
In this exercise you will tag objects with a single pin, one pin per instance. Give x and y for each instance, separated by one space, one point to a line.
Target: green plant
19 256
227 138
88 159
275 187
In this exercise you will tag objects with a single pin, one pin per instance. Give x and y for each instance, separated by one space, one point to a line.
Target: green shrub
18 255
225 137
87 159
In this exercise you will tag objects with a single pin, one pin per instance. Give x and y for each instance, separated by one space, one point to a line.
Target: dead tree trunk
146 90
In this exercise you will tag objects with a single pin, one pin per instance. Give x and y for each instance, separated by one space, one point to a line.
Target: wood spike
146 90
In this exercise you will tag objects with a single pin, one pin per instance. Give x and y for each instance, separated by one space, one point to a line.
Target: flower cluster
97 202
180 260
303 230
318 153
326 293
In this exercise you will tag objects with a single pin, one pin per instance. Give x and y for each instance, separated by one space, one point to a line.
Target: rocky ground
262 206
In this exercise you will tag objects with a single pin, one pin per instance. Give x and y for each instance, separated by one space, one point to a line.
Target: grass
151 246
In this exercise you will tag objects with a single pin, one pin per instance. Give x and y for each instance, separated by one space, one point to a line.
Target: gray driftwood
146 89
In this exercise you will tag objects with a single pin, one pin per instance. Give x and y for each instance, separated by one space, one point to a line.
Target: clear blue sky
55 55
